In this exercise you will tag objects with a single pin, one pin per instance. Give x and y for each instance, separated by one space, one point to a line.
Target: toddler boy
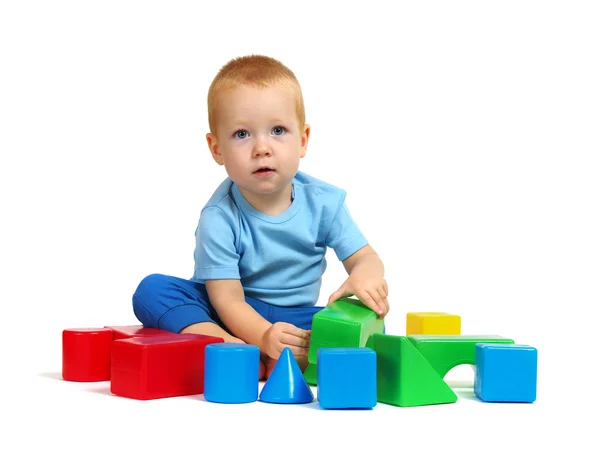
262 236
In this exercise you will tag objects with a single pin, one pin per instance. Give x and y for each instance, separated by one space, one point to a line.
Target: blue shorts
172 304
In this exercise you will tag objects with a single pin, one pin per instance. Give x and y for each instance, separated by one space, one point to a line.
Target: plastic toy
286 384
347 378
231 373
345 323
505 373
147 368
445 352
310 374
130 331
404 377
86 354
432 323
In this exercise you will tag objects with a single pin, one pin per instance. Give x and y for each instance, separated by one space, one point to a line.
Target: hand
372 291
281 335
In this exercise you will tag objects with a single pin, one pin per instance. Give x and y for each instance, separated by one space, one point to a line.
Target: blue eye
241 134
278 130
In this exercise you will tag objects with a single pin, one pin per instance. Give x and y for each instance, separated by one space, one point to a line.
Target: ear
213 146
304 140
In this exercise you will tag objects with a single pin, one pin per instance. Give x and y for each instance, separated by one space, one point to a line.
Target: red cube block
86 354
148 368
130 331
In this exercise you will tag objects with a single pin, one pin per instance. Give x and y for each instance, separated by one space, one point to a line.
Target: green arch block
445 352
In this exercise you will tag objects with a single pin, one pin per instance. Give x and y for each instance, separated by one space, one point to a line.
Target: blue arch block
347 378
231 373
286 384
505 373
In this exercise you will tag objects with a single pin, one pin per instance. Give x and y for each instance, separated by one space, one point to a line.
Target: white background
466 134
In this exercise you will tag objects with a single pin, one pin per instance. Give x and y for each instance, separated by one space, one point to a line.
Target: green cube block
345 323
310 374
445 352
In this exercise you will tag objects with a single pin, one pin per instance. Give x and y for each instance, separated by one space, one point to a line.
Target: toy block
444 352
310 374
231 373
431 323
345 323
505 373
130 331
286 384
404 377
347 378
148 368
86 354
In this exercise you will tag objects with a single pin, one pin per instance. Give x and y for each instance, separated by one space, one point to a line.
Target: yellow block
432 324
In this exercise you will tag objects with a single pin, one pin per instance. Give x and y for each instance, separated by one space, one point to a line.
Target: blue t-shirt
280 259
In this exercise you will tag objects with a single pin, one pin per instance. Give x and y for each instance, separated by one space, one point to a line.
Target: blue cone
286 384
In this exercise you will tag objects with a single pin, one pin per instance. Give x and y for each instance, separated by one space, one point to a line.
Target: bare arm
364 261
227 297
365 280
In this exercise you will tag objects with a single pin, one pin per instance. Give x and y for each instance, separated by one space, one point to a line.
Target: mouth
264 171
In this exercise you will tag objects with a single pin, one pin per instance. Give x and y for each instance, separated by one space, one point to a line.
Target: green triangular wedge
404 377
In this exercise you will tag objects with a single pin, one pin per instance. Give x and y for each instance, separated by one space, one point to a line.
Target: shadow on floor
51 375
466 394
101 389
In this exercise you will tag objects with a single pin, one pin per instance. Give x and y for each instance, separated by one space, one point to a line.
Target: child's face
258 138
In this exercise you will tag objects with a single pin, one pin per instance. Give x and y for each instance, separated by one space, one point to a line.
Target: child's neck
273 204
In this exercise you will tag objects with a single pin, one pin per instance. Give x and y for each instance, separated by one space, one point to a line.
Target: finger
291 329
386 303
385 287
292 340
378 301
368 299
339 293
334 296
275 351
298 351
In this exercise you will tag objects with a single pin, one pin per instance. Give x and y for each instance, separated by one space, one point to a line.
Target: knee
150 286
146 299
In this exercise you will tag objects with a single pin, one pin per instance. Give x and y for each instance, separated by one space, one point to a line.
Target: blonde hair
254 70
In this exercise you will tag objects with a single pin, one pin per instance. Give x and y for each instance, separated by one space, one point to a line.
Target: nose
261 147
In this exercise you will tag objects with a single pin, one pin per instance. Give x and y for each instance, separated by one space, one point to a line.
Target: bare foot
261 370
269 366
210 328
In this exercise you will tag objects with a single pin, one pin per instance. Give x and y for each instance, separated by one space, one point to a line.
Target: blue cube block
231 373
505 373
347 378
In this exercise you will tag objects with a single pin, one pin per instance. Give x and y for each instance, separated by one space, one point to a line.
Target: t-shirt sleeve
215 255
344 235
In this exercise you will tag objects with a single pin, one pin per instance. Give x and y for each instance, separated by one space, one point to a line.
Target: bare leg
269 365
210 328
